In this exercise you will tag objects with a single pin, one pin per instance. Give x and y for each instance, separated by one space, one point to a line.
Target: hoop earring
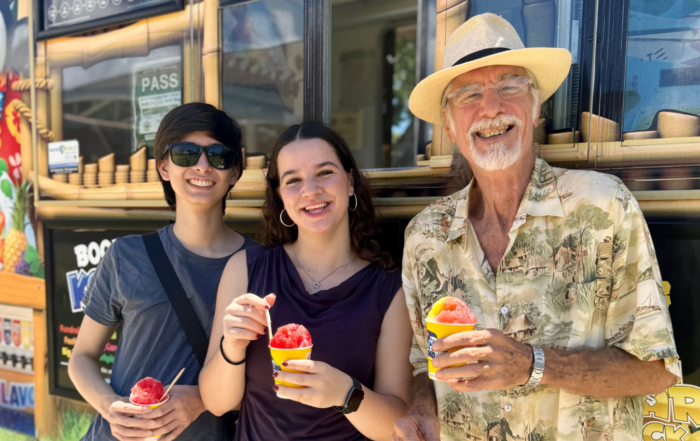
288 226
356 202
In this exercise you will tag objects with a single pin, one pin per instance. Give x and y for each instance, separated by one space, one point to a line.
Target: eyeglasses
506 88
186 154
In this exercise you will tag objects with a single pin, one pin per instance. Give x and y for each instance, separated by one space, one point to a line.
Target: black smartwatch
355 397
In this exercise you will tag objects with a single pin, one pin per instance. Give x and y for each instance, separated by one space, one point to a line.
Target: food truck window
115 106
662 79
373 70
549 23
263 69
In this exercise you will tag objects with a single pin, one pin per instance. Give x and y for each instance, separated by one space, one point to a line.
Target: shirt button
504 310
508 407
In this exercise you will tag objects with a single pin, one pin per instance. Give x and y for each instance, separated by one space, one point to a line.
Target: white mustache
492 123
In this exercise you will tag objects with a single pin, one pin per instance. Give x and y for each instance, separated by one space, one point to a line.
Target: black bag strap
176 293
183 309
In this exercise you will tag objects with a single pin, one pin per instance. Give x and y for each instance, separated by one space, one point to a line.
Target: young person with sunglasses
199 159
323 269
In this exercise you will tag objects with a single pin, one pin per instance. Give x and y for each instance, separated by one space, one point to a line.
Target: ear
235 176
536 116
448 127
163 169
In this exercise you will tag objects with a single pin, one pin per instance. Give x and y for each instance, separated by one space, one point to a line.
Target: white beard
499 156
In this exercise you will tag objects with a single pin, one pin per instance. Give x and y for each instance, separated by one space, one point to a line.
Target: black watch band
354 398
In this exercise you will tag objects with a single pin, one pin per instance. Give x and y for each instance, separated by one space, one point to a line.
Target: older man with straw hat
557 265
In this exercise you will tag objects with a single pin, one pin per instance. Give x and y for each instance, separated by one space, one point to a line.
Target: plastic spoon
172 384
269 324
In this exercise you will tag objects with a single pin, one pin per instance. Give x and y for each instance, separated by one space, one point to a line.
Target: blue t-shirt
126 289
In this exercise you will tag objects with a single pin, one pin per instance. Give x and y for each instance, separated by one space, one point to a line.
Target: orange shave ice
448 316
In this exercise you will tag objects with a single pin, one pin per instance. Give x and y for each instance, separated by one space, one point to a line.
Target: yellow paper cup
279 356
152 406
439 330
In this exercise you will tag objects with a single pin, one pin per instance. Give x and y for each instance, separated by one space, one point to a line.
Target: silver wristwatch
537 367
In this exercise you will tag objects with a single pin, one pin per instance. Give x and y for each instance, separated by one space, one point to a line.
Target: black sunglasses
186 154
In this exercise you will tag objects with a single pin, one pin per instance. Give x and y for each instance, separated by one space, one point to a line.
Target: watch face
355 399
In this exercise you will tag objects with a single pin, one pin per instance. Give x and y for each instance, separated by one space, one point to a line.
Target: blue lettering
77 283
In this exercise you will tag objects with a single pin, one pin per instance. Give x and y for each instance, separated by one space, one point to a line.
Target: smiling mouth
200 183
490 133
313 209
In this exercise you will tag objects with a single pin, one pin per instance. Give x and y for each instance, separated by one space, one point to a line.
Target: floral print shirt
580 271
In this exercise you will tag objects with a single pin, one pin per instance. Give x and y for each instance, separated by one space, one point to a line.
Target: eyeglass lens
186 154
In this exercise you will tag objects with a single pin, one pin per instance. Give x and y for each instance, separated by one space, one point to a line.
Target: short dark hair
364 229
197 117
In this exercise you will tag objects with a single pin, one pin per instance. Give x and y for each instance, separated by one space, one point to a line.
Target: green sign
157 90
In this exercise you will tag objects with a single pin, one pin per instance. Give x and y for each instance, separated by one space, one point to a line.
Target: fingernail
275 388
274 374
258 336
285 364
265 331
267 305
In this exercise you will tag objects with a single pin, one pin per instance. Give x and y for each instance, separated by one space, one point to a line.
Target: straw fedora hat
487 40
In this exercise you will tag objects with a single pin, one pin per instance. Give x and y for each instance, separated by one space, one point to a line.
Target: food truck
85 83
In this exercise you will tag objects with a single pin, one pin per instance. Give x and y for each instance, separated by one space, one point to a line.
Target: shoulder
436 215
126 246
585 186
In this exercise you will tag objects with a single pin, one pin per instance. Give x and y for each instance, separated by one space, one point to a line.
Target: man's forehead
486 75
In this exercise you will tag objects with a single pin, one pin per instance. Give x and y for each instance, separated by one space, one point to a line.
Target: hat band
480 54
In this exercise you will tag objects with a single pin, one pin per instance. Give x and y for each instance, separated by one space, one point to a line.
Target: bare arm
84 372
240 319
504 363
421 422
381 408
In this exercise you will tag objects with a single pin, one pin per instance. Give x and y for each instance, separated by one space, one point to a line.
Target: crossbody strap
176 293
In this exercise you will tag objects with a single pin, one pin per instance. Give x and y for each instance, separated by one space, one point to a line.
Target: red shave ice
455 311
147 391
291 336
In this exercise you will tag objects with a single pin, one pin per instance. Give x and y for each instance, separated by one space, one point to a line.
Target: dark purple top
344 323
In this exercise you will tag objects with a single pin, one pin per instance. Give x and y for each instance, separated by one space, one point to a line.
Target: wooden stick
269 324
171 385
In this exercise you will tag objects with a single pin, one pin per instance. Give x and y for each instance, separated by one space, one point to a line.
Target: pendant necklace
317 285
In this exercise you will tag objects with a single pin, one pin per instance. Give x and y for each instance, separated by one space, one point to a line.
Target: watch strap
345 409
537 367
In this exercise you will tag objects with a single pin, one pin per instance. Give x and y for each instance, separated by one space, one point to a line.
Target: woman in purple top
322 269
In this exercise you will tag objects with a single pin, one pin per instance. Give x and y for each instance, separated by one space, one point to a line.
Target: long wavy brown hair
364 229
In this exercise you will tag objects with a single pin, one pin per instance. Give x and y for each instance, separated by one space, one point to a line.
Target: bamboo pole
42 107
25 136
135 40
56 103
211 54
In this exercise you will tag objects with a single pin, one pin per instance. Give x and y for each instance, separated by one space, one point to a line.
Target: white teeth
490 133
316 208
200 183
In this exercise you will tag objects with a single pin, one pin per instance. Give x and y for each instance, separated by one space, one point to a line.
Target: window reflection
662 77
116 105
262 71
373 69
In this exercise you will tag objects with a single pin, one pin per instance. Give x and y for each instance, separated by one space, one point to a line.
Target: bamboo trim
25 136
211 54
681 208
26 112
135 40
42 108
56 103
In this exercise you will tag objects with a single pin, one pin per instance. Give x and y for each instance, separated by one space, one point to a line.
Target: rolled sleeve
419 351
638 320
102 301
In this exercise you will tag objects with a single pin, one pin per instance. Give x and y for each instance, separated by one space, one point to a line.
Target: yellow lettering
675 434
686 403
69 340
656 406
66 351
653 432
667 292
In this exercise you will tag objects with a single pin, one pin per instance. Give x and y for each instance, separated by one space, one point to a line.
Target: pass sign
157 90
63 156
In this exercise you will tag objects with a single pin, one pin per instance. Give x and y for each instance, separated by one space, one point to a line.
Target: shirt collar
540 199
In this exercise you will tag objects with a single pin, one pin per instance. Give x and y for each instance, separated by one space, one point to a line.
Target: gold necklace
317 285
